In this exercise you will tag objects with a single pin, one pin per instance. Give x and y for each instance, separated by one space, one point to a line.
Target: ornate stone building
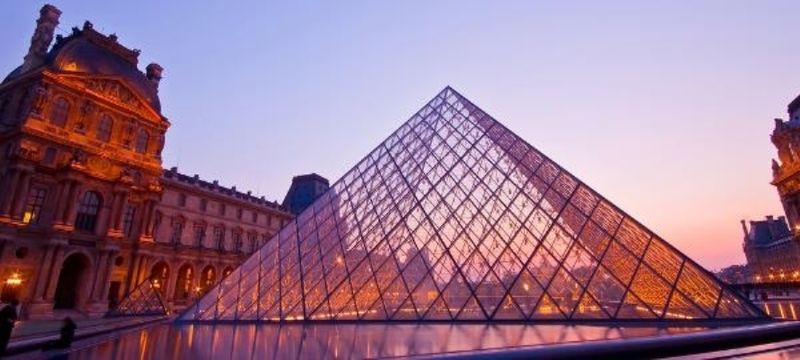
772 246
86 210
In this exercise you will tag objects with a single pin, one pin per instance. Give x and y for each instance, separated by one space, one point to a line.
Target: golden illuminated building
86 210
772 246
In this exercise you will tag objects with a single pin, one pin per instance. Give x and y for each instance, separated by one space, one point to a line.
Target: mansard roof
86 51
232 192
767 232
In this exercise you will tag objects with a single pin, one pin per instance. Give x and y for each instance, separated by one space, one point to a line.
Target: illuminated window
127 220
60 112
33 209
141 141
104 128
87 211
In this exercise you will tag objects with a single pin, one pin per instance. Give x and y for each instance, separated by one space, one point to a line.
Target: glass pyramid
454 217
142 300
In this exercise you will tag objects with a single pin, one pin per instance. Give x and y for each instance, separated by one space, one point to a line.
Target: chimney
154 73
42 37
744 228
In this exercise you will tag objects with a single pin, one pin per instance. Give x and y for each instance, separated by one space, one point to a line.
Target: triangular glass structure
142 300
454 217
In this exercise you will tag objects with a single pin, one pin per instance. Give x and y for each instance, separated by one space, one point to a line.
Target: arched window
141 141
207 279
104 128
87 211
60 112
183 287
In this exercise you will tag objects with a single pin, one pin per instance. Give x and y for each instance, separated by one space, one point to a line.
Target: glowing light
526 287
14 280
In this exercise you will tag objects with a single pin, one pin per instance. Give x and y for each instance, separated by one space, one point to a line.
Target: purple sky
664 107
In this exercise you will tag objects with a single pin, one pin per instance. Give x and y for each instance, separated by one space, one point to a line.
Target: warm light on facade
14 280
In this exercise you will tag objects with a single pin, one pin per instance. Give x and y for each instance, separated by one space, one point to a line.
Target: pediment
114 90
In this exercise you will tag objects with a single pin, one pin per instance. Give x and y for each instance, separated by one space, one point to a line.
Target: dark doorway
113 294
70 282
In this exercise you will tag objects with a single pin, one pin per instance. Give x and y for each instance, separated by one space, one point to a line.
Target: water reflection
342 341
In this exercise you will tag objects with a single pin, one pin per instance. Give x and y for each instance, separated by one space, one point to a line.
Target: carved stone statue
86 110
78 158
40 94
776 168
42 37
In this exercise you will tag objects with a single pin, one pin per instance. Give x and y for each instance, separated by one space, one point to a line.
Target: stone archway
159 275
208 278
72 280
183 286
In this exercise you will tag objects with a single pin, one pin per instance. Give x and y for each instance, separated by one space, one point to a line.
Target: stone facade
86 209
772 246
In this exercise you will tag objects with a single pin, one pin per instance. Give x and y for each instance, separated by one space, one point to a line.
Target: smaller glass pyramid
456 218
142 300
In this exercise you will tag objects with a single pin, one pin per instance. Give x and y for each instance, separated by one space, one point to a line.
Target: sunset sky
664 107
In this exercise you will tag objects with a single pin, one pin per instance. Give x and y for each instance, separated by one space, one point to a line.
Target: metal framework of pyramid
144 299
454 217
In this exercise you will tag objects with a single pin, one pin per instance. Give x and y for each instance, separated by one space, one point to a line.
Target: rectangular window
239 214
222 209
127 220
199 234
177 231
203 205
237 242
33 209
181 200
219 237
255 217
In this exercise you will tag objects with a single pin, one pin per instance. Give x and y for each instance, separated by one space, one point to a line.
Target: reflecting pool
343 341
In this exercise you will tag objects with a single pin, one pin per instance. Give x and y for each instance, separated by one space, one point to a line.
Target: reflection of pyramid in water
454 217
142 300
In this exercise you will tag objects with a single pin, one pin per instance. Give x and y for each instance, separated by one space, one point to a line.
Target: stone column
97 304
99 275
121 210
7 198
45 271
117 213
133 271
42 305
72 204
20 199
110 266
61 201
149 214
55 271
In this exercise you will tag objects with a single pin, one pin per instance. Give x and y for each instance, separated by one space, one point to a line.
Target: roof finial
42 37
